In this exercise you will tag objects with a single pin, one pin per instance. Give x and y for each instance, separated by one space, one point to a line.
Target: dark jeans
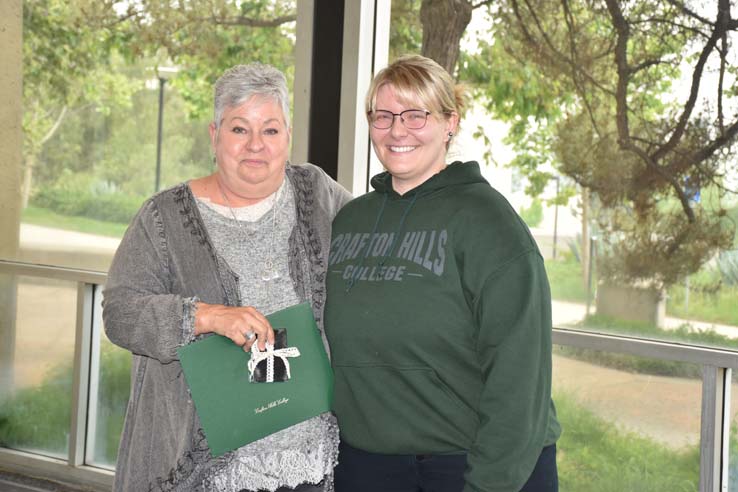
360 471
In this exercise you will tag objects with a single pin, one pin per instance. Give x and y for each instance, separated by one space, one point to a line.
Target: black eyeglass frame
424 111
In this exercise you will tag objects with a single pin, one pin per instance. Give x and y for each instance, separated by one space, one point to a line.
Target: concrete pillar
11 145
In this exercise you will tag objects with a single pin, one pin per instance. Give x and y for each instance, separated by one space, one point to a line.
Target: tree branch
699 67
251 22
54 127
621 61
574 64
705 152
688 12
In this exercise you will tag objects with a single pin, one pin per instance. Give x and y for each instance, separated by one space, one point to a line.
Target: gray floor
11 482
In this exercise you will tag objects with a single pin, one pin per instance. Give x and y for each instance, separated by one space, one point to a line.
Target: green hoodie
439 321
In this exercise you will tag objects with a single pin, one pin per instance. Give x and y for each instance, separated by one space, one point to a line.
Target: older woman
215 255
438 313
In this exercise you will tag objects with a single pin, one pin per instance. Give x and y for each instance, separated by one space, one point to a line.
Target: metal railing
717 365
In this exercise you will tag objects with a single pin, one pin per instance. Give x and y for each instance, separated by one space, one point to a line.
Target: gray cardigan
164 263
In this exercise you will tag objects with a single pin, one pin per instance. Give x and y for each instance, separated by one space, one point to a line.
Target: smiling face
410 156
251 149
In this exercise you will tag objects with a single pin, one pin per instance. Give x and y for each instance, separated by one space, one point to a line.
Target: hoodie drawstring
388 252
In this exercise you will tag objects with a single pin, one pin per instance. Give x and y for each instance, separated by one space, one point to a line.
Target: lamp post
163 74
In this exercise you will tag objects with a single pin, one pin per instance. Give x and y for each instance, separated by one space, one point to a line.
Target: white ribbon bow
269 354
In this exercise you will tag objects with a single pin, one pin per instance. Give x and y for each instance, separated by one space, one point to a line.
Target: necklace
268 271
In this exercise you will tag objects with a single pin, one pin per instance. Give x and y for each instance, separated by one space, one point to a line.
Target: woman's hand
244 324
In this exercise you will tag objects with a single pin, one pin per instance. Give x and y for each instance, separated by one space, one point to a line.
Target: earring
450 134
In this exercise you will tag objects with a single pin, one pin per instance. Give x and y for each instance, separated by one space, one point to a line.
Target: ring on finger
249 335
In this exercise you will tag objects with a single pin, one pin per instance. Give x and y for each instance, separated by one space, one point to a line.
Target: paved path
665 409
569 313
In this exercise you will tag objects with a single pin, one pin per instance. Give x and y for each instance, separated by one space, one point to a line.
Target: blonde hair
417 78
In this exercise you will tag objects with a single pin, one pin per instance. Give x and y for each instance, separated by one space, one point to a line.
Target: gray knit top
305 452
166 260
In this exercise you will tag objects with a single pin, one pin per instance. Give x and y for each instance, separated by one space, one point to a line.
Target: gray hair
241 82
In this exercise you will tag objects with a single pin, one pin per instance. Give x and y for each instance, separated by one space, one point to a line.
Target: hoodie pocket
401 410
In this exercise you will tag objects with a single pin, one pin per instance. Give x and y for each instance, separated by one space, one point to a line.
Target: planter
632 303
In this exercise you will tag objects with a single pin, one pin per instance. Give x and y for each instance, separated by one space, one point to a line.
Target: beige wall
11 86
11 138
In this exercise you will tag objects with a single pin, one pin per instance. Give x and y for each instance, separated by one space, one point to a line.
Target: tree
596 97
87 62
643 155
65 66
202 37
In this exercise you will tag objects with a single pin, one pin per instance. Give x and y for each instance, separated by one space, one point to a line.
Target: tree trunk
444 23
30 158
30 162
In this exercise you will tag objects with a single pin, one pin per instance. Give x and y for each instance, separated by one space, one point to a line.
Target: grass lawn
718 308
594 455
47 218
565 277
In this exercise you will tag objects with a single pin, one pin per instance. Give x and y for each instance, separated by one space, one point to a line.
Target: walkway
570 313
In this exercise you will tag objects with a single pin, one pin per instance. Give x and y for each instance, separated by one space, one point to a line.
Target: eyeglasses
413 119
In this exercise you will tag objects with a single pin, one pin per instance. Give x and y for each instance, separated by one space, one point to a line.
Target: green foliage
66 62
727 263
90 107
710 299
114 389
38 417
406 31
533 214
565 277
593 454
76 194
566 52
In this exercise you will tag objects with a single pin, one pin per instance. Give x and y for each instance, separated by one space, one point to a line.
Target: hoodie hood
456 173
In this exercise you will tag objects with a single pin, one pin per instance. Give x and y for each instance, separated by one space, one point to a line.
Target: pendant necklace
268 271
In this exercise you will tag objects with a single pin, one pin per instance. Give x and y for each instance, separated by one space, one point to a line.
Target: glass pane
733 442
94 93
109 389
523 155
629 423
38 329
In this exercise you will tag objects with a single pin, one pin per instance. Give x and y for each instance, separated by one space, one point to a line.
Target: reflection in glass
638 312
630 423
38 351
109 389
733 442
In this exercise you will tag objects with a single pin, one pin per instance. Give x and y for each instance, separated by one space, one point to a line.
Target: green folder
233 411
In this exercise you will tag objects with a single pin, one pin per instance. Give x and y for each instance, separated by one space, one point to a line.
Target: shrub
83 202
37 418
533 214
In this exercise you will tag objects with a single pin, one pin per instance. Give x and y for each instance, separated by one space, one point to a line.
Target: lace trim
304 453
188 319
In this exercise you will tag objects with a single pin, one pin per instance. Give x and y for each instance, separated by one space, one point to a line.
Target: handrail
717 363
644 347
55 272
